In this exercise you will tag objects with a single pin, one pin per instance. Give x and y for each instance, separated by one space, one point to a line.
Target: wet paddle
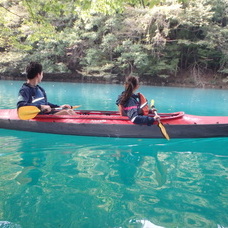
160 125
29 112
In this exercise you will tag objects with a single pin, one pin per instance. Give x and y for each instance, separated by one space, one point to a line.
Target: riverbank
183 80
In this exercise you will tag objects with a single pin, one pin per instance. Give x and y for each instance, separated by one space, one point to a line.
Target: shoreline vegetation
179 43
207 81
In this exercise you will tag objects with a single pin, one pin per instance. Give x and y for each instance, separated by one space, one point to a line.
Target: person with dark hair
134 105
31 94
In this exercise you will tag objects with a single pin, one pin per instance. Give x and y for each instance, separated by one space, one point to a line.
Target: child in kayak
31 94
134 105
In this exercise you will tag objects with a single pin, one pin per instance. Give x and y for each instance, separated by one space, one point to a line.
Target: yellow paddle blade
76 106
27 112
163 130
152 103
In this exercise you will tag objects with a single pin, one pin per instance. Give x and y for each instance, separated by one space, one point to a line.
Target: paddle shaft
160 125
156 114
58 109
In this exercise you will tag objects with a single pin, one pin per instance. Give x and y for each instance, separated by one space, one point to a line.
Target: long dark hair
131 84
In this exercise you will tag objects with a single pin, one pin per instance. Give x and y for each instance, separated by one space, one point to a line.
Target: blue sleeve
53 105
144 120
24 98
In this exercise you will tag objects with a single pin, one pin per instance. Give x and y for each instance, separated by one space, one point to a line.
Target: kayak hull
177 125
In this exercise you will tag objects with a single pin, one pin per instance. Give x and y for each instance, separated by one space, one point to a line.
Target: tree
143 37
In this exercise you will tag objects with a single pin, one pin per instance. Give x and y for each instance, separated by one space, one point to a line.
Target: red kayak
111 124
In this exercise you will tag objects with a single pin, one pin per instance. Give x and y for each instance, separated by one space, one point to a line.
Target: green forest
182 41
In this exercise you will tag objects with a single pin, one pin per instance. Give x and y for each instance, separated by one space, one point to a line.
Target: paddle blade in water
163 130
27 112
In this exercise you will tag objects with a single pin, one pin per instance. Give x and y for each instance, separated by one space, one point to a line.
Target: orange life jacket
143 106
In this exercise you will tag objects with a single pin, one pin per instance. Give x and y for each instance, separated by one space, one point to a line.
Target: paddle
29 112
160 125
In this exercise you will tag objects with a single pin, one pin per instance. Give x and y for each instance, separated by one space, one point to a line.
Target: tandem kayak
111 124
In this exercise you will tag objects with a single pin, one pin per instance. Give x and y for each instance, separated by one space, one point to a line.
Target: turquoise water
70 181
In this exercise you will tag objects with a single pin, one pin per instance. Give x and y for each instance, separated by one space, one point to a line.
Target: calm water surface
70 181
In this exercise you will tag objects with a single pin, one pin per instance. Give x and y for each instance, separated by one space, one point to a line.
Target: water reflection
101 182
31 163
144 223
7 224
126 164
129 161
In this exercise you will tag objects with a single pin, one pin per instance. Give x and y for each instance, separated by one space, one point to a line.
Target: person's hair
131 83
33 69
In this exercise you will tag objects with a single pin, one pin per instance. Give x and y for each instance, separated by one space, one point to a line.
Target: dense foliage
148 38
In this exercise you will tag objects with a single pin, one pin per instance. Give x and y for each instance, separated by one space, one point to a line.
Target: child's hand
65 106
157 117
154 110
45 108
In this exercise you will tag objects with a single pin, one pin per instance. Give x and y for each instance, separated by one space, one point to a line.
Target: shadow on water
70 181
